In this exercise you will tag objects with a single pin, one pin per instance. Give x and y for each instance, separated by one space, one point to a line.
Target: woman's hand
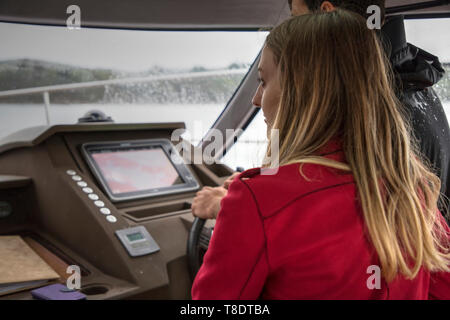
230 179
206 204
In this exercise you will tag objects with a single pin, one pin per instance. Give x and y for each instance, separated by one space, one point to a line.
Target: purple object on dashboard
56 292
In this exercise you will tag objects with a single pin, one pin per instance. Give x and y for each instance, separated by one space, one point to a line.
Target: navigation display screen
136 170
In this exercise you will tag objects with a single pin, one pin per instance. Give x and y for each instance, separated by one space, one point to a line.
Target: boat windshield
55 75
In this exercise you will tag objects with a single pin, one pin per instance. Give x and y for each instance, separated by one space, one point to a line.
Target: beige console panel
49 207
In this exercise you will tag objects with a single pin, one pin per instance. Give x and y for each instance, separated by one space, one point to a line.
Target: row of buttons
92 196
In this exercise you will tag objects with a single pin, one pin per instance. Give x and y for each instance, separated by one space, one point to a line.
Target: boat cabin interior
109 190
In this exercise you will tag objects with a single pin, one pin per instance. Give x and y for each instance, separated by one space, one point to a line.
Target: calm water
198 118
248 152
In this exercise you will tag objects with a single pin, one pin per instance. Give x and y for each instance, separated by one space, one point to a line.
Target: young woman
351 212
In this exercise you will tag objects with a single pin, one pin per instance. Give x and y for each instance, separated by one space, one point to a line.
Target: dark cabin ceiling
166 14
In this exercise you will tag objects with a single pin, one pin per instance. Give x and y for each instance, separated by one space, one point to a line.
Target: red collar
290 184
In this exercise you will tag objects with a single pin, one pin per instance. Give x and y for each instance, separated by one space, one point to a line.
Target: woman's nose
256 101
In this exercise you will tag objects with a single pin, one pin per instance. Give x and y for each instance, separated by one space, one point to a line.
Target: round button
93 196
76 178
111 218
82 184
71 172
99 203
88 190
105 211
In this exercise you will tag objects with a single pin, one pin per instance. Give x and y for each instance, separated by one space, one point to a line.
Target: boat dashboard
111 199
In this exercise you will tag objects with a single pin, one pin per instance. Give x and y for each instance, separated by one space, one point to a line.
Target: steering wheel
193 247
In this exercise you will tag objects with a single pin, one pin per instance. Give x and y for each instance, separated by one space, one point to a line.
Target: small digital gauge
137 241
135 237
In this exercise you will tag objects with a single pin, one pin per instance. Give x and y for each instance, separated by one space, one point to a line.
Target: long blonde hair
336 82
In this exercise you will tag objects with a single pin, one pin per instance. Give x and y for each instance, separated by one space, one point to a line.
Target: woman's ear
327 6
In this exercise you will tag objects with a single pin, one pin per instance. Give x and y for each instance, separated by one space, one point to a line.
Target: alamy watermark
374 21
73 22
74 281
374 280
212 148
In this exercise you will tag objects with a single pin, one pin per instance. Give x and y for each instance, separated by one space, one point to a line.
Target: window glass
432 35
150 76
250 148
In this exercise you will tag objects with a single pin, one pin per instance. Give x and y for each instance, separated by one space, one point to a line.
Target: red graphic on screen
136 170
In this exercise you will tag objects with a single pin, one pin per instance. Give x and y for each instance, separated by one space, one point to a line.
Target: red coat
283 237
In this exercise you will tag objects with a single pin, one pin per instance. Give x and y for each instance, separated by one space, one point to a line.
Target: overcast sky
140 50
128 50
432 35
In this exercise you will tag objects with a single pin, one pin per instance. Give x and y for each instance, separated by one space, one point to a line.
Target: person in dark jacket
416 71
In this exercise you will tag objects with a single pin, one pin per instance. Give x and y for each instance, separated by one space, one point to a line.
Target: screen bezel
189 182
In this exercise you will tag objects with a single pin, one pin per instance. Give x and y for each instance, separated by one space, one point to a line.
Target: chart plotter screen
136 170
133 170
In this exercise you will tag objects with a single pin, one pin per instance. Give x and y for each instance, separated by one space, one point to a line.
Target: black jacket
417 71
